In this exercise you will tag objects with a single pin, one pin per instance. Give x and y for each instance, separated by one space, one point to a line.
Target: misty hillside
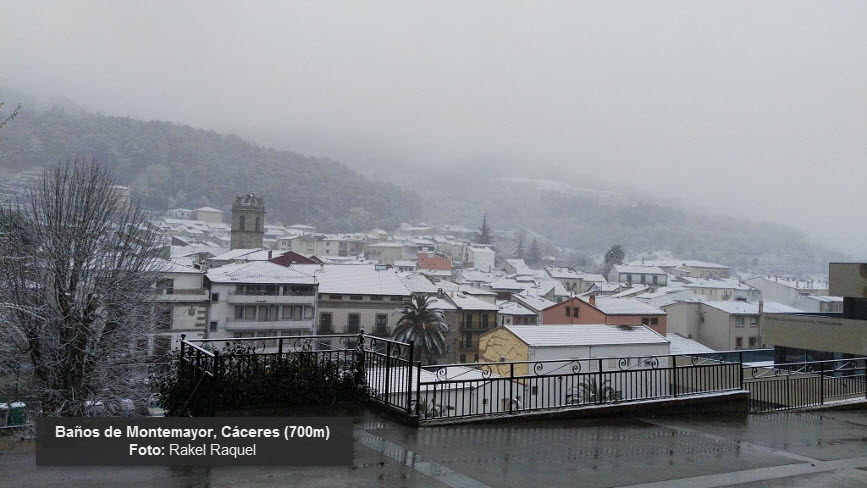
177 166
171 166
588 222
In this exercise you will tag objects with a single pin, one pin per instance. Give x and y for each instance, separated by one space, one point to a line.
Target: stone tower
248 221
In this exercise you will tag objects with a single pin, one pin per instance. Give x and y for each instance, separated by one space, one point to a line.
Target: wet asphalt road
782 449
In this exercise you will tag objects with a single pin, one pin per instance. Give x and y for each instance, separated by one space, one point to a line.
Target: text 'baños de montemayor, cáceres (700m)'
195 441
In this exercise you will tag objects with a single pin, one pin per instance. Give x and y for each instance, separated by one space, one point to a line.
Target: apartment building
260 299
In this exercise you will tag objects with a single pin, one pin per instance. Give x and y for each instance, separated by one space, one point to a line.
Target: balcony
476 327
295 299
240 325
183 294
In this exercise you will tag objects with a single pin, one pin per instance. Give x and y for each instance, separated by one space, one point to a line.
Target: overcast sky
755 109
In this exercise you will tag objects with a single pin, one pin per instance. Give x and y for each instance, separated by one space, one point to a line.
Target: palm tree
614 255
422 325
591 392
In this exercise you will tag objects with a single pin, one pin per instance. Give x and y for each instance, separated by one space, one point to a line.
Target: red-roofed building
432 262
605 310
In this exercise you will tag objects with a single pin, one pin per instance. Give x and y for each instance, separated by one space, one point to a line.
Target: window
643 279
215 297
739 342
754 341
353 322
468 321
468 340
241 222
754 321
258 223
381 324
655 279
325 323
463 358
575 311
484 321
308 313
376 298
239 312
654 321
335 297
629 278
250 312
396 299
213 325
162 345
739 321
356 297
645 321
568 310
164 318
475 358
263 313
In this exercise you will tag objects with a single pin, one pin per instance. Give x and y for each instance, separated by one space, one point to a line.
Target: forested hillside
171 166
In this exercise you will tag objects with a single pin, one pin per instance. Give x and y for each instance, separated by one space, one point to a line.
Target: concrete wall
818 333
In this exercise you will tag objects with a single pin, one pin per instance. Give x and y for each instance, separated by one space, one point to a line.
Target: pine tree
484 235
534 254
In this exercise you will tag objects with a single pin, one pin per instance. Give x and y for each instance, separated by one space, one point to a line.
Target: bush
244 380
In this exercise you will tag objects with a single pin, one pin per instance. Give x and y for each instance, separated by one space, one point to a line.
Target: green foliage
613 256
422 325
484 235
534 254
170 166
590 391
243 380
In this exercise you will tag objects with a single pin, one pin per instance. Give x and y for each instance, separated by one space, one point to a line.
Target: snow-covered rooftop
682 345
585 335
625 306
263 272
355 279
624 268
750 308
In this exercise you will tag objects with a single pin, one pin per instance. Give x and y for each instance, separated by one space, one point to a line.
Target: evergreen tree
519 252
534 254
484 235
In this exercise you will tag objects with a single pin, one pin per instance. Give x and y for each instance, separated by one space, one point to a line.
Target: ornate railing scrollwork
442 374
576 368
344 341
302 345
537 368
486 371
623 364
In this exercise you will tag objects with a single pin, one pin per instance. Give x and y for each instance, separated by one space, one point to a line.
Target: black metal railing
503 388
796 385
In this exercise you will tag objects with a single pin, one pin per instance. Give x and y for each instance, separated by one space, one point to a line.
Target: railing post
418 389
183 339
512 384
409 379
741 367
215 381
280 348
674 374
598 391
822 382
387 372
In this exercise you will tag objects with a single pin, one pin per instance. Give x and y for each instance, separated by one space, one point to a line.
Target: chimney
761 307
440 293
270 253
593 300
